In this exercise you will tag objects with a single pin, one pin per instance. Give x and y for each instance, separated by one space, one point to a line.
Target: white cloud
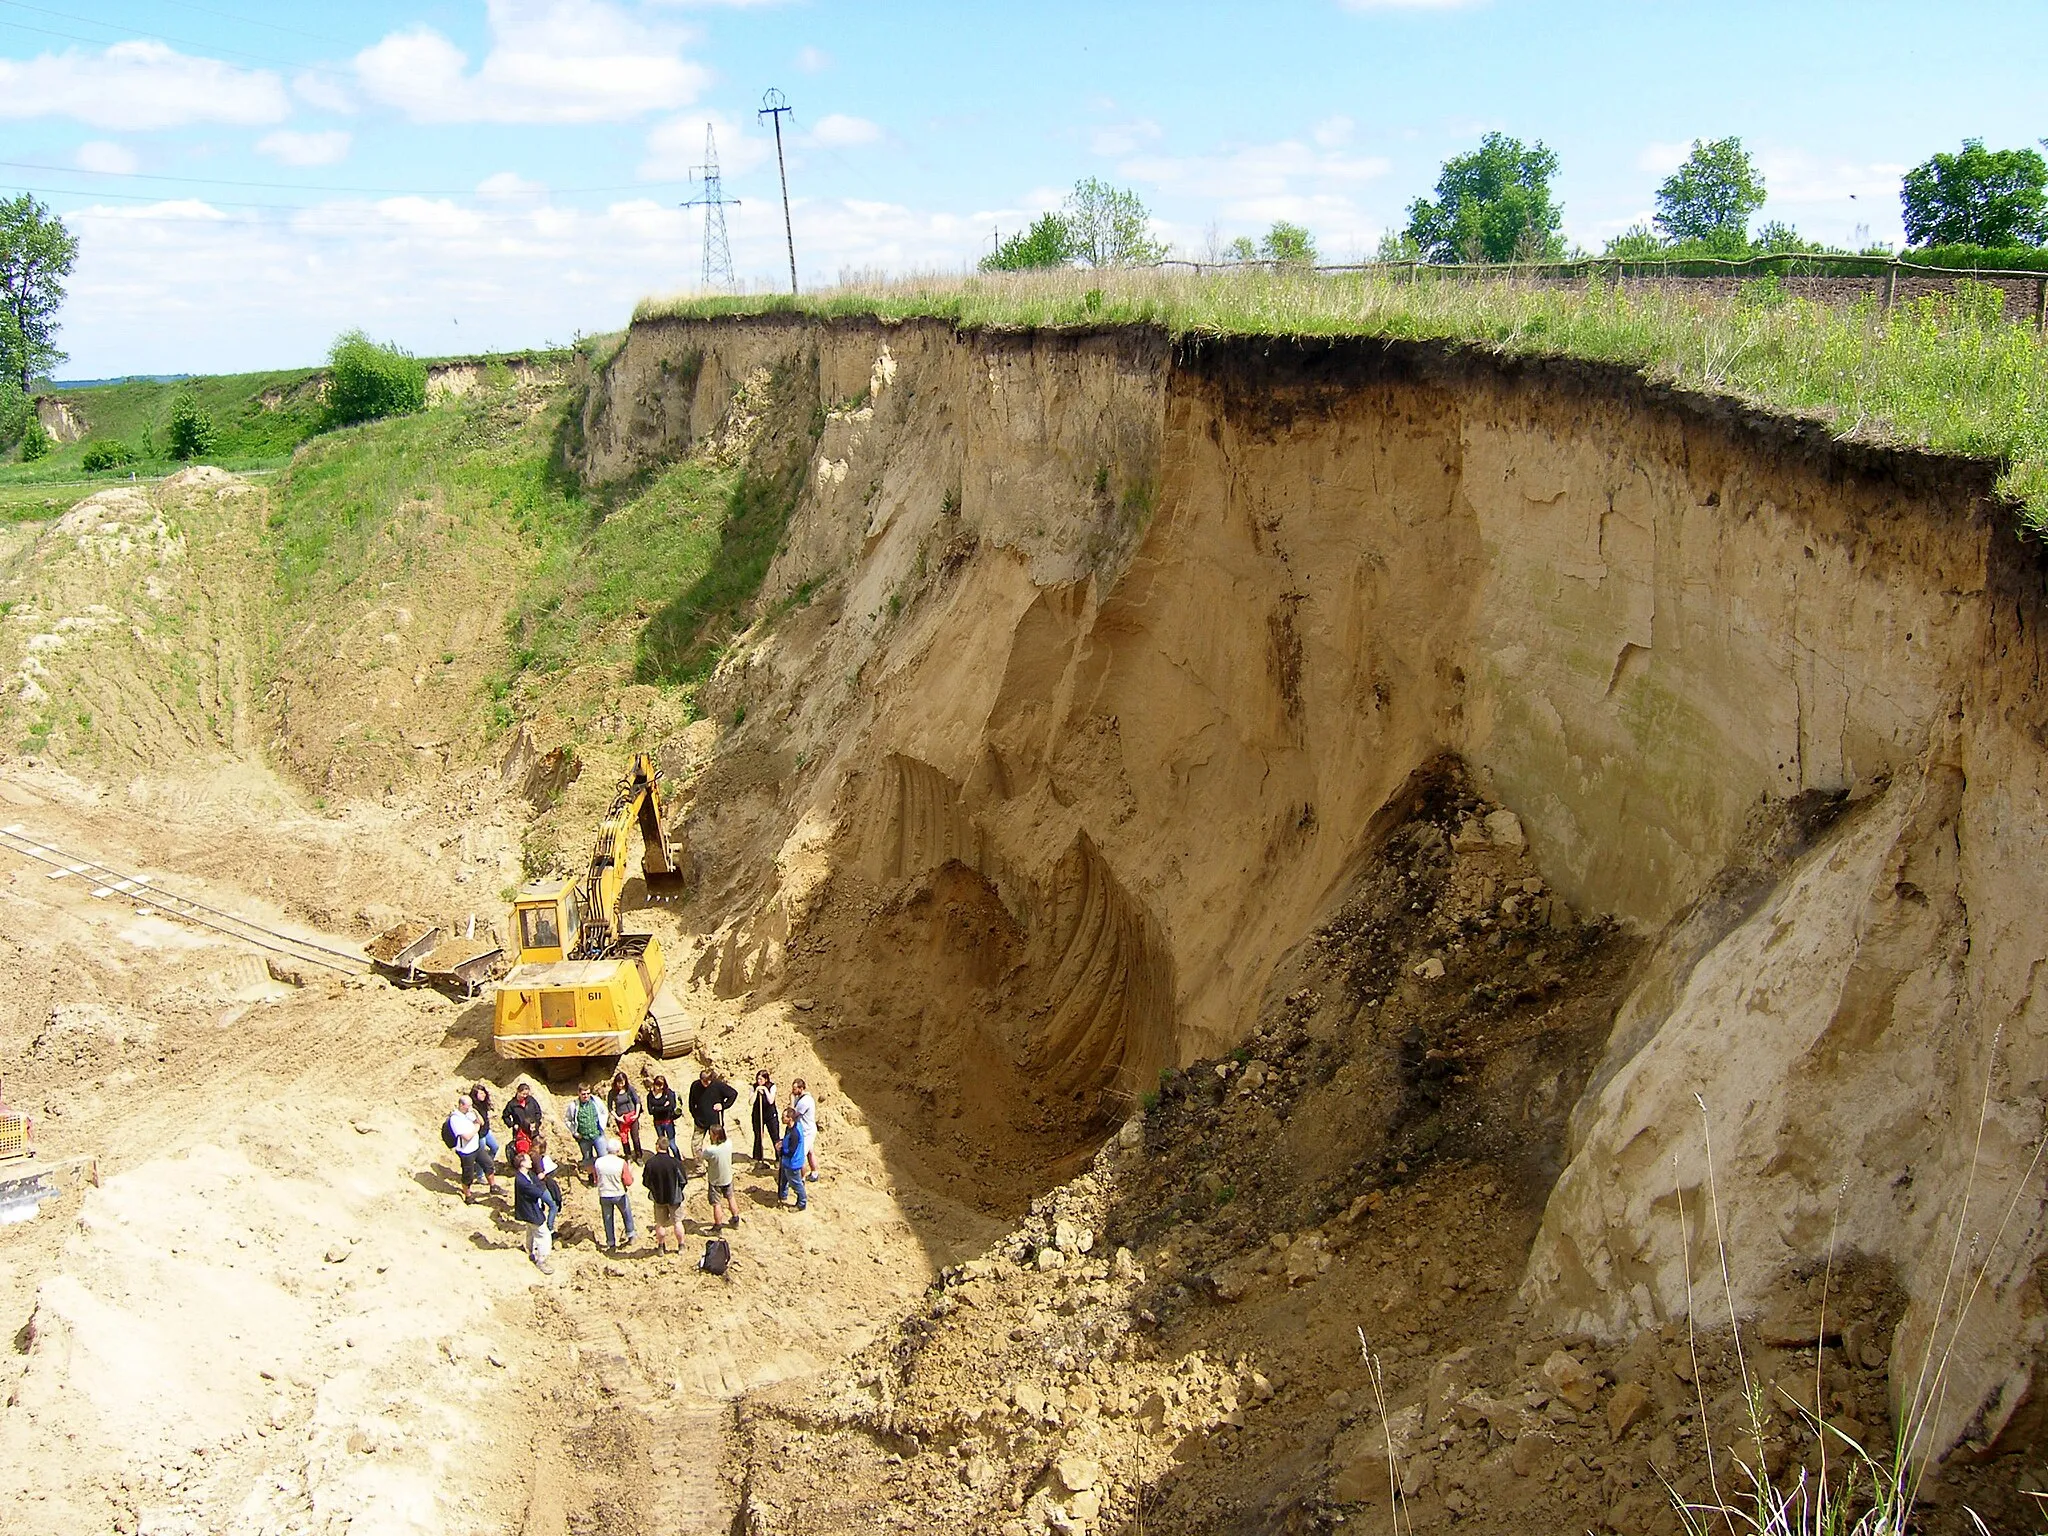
139 85
184 286
108 158
324 90
551 61
1795 177
1662 159
287 146
509 186
835 130
675 148
1334 131
1257 171
1125 138
813 61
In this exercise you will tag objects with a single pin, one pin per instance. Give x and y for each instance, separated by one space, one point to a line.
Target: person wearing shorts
718 1174
662 1173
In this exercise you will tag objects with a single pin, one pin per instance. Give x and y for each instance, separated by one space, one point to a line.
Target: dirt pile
132 628
1180 1334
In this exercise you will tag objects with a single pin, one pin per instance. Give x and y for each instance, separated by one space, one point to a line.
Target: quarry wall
1147 632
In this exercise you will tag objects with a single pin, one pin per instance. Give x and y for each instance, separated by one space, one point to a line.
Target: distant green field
260 420
259 417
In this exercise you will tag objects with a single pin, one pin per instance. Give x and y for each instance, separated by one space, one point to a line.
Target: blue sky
249 179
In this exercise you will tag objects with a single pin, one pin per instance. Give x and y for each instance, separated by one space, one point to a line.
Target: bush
366 381
35 442
1991 258
107 453
1047 243
192 430
17 410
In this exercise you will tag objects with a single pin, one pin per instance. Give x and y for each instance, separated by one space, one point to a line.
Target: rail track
148 895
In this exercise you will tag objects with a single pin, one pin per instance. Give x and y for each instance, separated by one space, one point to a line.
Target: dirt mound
133 627
1306 1252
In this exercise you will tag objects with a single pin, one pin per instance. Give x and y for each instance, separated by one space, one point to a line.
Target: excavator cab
548 919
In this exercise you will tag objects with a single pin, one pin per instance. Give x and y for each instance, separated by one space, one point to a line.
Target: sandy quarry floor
272 1311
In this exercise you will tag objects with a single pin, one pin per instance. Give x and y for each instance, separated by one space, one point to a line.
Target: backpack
448 1133
717 1255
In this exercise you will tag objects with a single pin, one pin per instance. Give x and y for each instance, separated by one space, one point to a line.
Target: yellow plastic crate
13 1134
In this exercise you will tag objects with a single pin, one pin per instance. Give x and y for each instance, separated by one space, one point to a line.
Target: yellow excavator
582 985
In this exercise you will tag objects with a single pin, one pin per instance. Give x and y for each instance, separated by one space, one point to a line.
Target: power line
775 105
714 202
250 21
300 186
128 34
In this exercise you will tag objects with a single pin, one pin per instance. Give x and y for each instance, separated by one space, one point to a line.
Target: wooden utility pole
773 105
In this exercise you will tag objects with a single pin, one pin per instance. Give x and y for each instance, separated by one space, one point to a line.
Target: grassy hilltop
1949 373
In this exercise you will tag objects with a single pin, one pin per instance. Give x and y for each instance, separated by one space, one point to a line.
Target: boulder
1629 1405
1537 1454
1504 830
1571 1381
1076 1473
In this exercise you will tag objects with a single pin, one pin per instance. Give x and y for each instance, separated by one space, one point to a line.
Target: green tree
1045 244
1397 245
35 442
1978 197
366 381
1241 250
192 433
1109 226
36 254
1491 205
1711 198
1780 239
1288 243
1638 242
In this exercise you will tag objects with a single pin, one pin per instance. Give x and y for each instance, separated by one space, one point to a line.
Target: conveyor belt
147 894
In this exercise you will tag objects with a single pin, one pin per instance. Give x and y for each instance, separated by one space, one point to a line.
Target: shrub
35 442
366 381
107 453
17 410
192 430
1047 243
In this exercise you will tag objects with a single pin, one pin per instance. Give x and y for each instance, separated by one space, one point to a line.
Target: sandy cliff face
1145 635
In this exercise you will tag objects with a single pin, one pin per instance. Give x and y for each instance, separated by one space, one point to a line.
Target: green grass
482 463
654 544
1947 373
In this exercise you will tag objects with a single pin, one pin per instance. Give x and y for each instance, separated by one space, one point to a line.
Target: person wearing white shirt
465 1135
614 1179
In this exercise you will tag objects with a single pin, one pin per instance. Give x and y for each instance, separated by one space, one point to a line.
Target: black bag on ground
717 1255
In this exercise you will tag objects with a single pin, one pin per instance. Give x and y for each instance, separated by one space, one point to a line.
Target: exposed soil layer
1404 802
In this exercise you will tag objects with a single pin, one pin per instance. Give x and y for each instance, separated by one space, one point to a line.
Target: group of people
606 1127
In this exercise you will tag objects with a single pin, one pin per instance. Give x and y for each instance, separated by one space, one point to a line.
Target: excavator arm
637 804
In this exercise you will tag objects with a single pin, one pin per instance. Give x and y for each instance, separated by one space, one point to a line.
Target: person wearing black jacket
767 1118
710 1097
624 1105
661 1109
530 1206
523 1112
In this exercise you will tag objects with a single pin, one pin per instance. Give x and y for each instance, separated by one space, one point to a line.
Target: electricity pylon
714 202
